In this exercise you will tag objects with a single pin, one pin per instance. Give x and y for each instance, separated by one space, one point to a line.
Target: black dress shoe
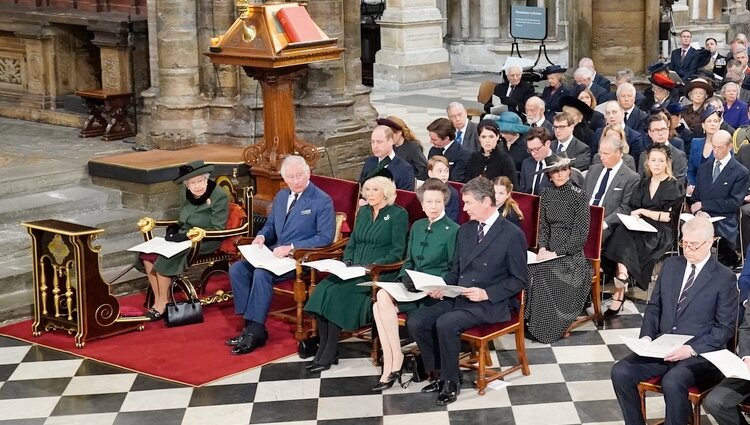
249 344
319 367
313 364
448 394
433 387
236 340
392 378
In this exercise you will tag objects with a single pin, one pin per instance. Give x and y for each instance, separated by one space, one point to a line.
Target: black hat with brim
578 104
193 169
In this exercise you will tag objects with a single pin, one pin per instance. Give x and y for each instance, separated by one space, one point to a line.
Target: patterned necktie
480 233
717 171
688 285
602 188
559 147
459 137
294 201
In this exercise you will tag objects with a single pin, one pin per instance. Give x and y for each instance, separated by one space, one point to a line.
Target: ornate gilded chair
238 225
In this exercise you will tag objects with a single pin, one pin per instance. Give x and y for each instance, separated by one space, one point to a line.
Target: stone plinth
412 55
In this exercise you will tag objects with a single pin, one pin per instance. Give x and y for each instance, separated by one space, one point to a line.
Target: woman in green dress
379 237
431 244
202 204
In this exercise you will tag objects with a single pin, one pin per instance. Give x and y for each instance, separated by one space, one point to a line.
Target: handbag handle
193 297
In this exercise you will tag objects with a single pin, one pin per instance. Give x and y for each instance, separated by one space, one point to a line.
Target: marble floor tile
46 369
591 390
548 414
100 384
23 408
174 398
582 354
292 389
350 407
227 414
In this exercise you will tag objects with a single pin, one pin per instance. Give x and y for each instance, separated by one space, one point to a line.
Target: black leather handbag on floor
413 369
308 347
181 313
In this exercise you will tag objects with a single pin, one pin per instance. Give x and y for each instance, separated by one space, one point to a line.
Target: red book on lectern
298 25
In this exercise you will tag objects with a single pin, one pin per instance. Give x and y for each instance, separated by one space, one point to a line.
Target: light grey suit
618 193
679 163
578 151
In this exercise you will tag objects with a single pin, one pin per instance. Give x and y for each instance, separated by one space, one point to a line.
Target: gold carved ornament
58 249
146 224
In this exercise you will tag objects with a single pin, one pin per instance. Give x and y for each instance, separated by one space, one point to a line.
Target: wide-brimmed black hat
193 169
553 69
657 67
578 104
555 163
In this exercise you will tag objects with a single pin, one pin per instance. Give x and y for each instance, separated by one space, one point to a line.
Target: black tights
329 333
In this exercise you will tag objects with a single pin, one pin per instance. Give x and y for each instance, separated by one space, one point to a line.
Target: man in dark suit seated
442 136
383 156
465 130
722 401
720 189
539 146
610 183
583 77
684 60
658 129
614 114
567 145
535 108
514 92
634 118
696 296
597 78
302 216
490 264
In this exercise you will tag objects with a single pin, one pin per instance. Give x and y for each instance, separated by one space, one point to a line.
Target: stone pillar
178 114
739 17
412 55
353 62
454 19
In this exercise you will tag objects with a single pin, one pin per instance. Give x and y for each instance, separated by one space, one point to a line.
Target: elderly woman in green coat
202 204
432 241
379 237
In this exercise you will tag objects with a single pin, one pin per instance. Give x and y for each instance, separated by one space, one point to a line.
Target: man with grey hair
623 76
597 78
466 131
535 108
584 79
694 295
489 265
514 92
610 183
614 114
720 189
634 118
301 216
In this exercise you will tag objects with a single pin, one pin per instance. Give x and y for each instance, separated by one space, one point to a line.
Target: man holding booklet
695 297
302 216
489 264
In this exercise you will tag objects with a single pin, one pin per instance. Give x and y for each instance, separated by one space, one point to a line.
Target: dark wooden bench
103 103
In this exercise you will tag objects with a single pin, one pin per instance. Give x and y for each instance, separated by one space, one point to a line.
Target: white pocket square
725 183
306 212
617 188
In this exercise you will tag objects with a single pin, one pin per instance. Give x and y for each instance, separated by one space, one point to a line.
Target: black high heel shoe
392 378
614 312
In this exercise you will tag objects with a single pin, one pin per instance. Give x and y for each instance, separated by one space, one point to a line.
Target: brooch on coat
386 218
208 201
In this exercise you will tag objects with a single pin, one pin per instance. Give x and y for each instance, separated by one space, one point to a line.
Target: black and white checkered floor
569 384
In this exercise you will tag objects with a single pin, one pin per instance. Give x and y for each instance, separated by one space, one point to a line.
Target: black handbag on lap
180 313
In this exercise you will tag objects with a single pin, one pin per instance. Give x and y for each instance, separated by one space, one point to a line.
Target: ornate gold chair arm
212 235
196 234
146 225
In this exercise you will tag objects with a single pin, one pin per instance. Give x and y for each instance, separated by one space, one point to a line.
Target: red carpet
193 355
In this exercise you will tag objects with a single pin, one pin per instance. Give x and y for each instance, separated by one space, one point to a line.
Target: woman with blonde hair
379 237
597 120
507 206
617 131
406 145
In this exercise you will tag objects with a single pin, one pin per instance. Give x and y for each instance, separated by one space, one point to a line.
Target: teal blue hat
510 122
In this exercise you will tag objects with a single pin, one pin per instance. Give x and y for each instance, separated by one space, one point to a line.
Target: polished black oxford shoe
249 343
433 387
448 394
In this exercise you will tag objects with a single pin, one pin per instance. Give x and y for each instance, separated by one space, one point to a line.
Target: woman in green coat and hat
202 204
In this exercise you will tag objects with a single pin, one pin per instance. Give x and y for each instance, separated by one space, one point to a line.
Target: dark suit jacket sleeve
515 260
652 315
624 207
325 224
524 183
722 205
744 335
726 313
460 167
406 177
582 157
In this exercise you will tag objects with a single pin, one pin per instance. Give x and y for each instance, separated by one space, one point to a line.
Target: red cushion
343 193
408 201
402 316
235 218
529 206
286 285
593 247
486 330
656 380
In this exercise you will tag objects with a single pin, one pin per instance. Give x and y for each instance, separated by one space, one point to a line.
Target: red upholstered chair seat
236 218
344 194
408 201
696 395
463 217
483 330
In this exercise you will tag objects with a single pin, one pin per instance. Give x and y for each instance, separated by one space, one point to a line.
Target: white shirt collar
630 111
491 220
724 161
565 143
442 214
463 129
445 148
540 122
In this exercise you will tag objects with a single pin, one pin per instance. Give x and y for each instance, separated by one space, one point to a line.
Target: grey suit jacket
618 193
470 140
626 159
679 163
578 151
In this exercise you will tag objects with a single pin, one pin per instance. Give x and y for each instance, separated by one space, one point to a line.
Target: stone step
115 222
66 200
41 178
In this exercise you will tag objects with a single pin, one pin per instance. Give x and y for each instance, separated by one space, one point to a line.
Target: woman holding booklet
378 237
654 199
202 204
559 283
430 250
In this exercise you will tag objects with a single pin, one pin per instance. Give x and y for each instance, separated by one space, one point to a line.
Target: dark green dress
208 216
429 252
381 241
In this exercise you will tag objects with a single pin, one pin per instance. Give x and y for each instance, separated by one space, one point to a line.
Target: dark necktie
717 171
626 117
533 125
480 233
688 285
602 188
294 201
537 179
684 52
559 147
459 137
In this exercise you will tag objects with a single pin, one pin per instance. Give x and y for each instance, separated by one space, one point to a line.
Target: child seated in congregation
438 168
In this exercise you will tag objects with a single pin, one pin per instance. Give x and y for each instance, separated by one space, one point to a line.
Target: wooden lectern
69 292
257 43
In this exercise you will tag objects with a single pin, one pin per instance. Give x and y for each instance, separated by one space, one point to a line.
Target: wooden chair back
486 90
408 200
344 193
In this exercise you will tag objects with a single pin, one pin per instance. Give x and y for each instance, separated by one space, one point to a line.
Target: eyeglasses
534 150
691 245
659 130
560 127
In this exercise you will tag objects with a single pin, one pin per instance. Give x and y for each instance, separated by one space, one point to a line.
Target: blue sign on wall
528 23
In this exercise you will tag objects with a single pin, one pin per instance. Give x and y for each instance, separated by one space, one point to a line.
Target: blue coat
724 197
458 160
710 308
695 158
402 171
552 101
310 224
736 116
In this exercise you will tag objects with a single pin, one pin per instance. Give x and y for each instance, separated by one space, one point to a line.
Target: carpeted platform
192 355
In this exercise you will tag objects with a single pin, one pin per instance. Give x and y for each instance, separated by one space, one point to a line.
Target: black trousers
722 401
437 331
677 377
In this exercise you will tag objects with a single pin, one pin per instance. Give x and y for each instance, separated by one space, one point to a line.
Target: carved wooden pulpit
257 42
69 292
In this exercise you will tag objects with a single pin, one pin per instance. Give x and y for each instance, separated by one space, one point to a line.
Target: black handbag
308 347
181 313
413 368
